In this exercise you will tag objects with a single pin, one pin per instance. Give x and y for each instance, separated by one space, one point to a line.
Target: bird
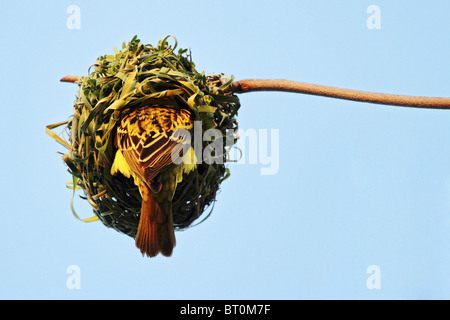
153 147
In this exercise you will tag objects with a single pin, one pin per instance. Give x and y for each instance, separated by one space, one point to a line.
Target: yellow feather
121 165
188 163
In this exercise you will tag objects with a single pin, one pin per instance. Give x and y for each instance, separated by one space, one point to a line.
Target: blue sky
358 185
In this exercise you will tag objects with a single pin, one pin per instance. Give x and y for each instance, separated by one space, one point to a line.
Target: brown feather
155 232
150 139
147 137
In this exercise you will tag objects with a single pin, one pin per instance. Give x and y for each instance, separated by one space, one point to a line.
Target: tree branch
254 85
69 79
251 85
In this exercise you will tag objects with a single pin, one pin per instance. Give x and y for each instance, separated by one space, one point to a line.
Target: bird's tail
155 232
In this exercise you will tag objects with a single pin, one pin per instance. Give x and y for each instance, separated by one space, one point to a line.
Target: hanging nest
135 76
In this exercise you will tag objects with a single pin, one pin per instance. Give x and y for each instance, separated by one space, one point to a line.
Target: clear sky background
358 185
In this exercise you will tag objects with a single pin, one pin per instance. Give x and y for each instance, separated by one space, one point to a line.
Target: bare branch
251 85
70 79
254 85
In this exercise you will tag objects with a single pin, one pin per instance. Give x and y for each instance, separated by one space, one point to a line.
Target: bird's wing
150 138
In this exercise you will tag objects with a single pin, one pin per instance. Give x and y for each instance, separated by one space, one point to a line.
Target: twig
253 85
69 79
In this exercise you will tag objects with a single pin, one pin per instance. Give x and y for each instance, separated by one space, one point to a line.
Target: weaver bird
151 143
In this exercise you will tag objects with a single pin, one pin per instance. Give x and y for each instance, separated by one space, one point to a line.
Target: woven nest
135 76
